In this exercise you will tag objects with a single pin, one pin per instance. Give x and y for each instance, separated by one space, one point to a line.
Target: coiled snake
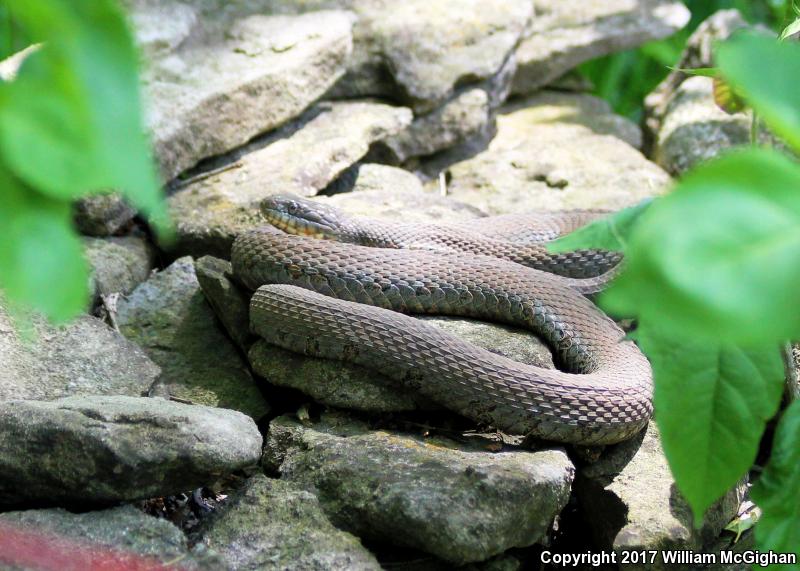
341 300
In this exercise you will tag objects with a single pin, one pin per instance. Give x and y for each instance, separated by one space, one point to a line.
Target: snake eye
292 208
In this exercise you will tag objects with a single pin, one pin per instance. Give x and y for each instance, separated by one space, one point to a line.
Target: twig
442 184
207 174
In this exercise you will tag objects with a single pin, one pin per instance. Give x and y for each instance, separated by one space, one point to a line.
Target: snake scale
346 301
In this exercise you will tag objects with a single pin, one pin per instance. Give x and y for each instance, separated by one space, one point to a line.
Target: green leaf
71 121
712 403
609 233
718 257
765 71
41 258
778 489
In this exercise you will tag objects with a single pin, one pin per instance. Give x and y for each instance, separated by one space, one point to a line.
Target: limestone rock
168 316
562 37
123 536
632 504
118 265
302 159
227 77
275 525
464 117
82 450
87 357
556 151
229 302
423 49
456 501
694 129
390 193
355 387
102 214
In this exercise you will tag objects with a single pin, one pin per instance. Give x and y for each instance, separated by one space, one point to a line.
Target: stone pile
367 105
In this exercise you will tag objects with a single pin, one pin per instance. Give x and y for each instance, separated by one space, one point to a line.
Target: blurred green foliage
70 125
625 78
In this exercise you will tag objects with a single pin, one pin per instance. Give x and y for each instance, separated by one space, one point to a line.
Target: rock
122 536
694 129
228 75
229 302
455 501
44 362
355 387
561 37
118 264
273 524
556 151
698 52
632 504
422 49
302 159
102 214
390 193
464 117
81 450
168 316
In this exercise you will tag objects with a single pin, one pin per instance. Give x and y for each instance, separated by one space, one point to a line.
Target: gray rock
273 524
44 362
461 119
698 52
227 74
456 501
82 450
391 193
358 388
118 265
302 159
229 302
562 37
694 129
424 49
632 503
556 151
122 536
168 316
102 214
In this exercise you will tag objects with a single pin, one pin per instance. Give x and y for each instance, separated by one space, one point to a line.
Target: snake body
340 300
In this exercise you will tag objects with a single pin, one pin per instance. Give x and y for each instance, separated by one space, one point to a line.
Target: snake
338 287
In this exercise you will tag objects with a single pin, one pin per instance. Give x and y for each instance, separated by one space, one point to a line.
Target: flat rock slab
118 265
87 357
562 37
556 151
275 525
632 504
225 74
168 316
455 501
301 159
123 536
391 193
424 49
84 450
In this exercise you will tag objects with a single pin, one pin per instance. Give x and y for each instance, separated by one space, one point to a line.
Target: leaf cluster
70 124
711 276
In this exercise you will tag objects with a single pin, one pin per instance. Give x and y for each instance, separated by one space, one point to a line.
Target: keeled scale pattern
604 397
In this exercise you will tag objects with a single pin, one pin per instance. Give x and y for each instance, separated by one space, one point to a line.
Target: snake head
295 215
